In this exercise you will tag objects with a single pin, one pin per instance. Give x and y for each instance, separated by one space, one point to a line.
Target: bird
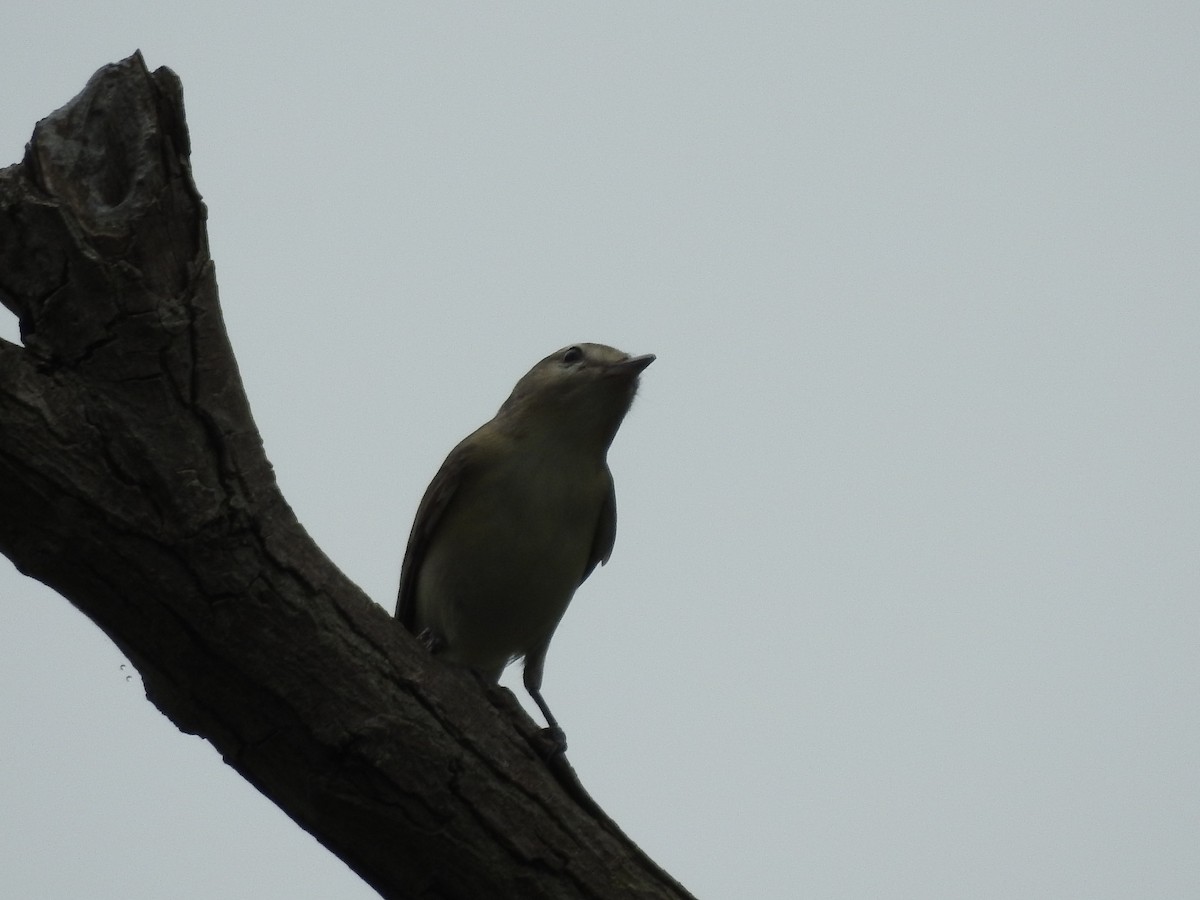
518 516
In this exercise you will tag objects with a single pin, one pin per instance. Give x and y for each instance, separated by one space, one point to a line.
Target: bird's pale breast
528 528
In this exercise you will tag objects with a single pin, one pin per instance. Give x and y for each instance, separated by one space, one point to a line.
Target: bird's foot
431 641
551 742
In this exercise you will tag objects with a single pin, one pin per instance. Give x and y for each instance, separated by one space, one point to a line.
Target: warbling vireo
518 516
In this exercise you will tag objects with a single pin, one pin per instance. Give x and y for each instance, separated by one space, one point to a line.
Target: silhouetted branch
133 481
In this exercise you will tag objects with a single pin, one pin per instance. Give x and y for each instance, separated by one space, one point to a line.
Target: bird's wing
429 513
606 530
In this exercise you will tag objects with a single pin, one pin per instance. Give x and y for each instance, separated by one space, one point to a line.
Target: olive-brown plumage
519 514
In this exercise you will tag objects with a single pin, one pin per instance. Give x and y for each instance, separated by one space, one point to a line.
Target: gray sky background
904 597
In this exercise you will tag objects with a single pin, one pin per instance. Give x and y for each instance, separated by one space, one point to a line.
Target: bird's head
579 393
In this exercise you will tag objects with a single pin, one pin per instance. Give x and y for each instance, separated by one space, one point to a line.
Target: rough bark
133 481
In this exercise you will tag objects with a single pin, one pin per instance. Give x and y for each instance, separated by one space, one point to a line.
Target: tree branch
133 481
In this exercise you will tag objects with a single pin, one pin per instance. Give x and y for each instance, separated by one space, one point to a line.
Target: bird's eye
572 355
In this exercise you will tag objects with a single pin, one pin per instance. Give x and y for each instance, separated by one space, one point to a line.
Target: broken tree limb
133 481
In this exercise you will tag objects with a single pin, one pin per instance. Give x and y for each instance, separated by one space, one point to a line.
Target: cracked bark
133 481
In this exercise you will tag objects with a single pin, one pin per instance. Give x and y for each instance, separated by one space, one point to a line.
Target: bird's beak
632 366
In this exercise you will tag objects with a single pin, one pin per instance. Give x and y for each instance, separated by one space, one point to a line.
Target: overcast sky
904 600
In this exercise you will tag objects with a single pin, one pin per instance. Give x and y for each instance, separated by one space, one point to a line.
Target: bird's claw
430 640
552 742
